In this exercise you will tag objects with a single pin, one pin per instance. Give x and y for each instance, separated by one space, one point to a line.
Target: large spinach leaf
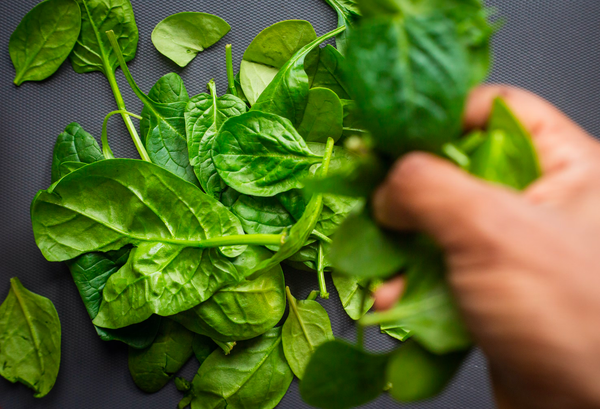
271 50
287 94
182 36
166 140
240 312
254 375
73 145
261 154
305 329
323 117
204 116
408 78
44 39
342 376
153 367
30 337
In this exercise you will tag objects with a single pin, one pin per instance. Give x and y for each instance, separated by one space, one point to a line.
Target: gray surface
547 46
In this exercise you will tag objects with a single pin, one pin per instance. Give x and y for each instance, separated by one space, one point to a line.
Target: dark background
547 46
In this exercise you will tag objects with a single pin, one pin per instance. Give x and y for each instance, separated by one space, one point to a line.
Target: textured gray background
547 46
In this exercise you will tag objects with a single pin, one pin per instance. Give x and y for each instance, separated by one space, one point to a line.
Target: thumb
424 192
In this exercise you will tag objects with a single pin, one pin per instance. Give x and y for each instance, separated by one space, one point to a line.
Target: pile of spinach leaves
182 253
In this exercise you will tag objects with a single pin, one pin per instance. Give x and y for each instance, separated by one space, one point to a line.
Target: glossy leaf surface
329 73
30 336
323 117
181 36
73 145
44 39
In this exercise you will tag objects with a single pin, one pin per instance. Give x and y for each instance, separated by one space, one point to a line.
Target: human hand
523 266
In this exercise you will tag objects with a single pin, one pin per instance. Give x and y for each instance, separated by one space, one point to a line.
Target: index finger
556 137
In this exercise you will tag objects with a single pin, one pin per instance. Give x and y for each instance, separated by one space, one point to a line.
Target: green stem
312 296
230 75
327 157
108 154
321 272
235 240
112 80
321 236
354 130
456 155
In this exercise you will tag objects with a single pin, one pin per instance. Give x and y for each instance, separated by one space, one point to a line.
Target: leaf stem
230 75
108 154
112 80
453 153
312 296
327 157
321 236
235 240
321 272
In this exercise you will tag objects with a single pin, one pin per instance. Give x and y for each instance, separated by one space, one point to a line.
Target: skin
523 266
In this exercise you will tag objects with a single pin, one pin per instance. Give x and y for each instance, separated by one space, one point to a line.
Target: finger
556 137
427 193
389 293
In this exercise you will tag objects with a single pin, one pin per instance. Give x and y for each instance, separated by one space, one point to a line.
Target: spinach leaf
261 215
323 117
239 312
90 273
182 36
166 140
507 155
153 367
427 308
204 116
109 204
395 330
254 375
202 347
342 376
169 88
261 154
73 145
355 295
330 73
306 327
348 14
287 94
408 78
270 51
416 374
44 39
30 337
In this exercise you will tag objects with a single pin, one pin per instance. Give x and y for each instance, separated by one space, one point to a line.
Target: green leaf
109 204
202 347
30 336
93 51
261 215
323 117
408 78
261 154
306 327
271 50
287 94
361 249
153 367
329 72
348 14
180 37
73 145
90 273
254 375
507 156
44 39
342 376
240 312
204 116
416 374
354 294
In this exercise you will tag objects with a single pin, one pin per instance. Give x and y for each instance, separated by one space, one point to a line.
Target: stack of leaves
182 253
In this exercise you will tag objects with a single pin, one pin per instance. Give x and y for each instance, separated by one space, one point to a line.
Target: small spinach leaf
356 297
261 154
306 327
330 73
153 367
254 375
323 117
73 145
342 376
44 39
261 215
204 116
182 36
30 336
